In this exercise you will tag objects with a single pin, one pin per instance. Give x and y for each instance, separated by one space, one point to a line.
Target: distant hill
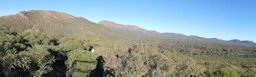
243 42
53 22
173 36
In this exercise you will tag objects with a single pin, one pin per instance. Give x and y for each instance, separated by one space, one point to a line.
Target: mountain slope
53 22
134 30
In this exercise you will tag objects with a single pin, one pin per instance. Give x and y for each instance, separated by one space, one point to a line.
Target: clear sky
223 19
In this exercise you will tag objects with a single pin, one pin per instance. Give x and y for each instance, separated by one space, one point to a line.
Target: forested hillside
54 44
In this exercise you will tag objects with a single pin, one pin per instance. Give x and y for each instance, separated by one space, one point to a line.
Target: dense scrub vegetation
148 60
197 48
38 54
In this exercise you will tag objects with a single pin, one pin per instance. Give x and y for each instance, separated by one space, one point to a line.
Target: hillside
53 22
56 44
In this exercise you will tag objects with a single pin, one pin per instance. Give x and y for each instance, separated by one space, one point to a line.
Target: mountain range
53 22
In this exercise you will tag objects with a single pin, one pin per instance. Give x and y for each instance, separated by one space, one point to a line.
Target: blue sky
223 19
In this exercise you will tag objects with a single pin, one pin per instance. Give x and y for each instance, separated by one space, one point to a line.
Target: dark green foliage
38 54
